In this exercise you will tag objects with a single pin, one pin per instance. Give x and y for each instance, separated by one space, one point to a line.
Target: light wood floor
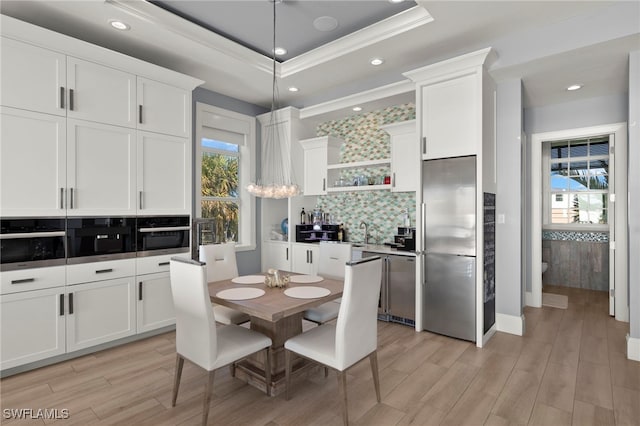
569 368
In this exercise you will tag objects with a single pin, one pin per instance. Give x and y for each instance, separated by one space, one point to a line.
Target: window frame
229 121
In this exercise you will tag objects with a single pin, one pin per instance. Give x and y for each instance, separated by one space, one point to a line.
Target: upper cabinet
318 154
454 100
163 108
405 172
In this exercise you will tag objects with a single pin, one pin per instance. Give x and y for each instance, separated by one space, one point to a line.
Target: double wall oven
39 242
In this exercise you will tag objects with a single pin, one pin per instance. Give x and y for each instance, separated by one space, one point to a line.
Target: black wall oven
91 239
157 235
31 243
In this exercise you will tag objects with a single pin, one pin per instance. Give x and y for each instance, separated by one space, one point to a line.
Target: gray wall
508 200
634 194
248 261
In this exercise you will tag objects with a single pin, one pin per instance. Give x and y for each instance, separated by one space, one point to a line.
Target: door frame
619 225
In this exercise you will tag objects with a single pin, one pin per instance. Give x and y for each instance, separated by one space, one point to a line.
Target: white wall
508 201
634 199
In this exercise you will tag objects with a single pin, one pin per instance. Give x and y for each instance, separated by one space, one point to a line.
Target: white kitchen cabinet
22 280
276 254
100 312
163 174
100 271
450 117
33 164
101 161
99 93
163 108
33 78
32 326
405 171
318 154
305 258
154 302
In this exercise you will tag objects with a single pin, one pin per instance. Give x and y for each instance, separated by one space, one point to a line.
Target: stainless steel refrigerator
449 231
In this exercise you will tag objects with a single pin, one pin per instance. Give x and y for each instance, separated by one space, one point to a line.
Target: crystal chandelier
276 173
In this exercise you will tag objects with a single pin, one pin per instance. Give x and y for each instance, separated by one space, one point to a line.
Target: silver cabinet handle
163 263
140 290
70 303
140 200
311 256
61 97
61 198
104 271
71 198
287 253
23 281
324 184
164 229
71 99
140 114
393 180
424 144
23 235
62 305
307 256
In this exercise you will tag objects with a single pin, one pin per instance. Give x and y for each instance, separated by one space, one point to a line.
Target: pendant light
276 173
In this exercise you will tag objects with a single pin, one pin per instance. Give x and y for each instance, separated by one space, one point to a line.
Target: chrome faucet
364 225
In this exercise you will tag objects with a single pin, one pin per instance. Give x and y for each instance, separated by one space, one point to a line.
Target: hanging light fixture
276 173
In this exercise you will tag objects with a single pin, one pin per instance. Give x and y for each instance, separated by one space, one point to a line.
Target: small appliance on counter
313 233
405 239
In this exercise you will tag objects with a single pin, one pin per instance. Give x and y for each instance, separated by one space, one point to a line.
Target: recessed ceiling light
396 1
325 23
119 25
293 89
357 109
376 61
574 87
280 51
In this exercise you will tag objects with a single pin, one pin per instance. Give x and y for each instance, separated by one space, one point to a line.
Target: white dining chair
222 265
353 337
332 258
197 338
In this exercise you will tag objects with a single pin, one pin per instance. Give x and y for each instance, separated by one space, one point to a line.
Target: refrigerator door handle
423 216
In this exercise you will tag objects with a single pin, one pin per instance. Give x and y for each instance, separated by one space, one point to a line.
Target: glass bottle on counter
303 217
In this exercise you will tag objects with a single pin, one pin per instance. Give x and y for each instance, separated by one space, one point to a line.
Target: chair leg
373 358
267 370
287 373
232 369
342 389
176 380
207 397
326 372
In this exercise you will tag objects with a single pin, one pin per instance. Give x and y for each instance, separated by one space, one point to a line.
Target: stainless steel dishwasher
398 290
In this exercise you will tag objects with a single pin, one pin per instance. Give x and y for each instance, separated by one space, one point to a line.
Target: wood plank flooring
569 369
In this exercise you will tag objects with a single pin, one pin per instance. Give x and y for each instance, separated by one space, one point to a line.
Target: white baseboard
633 348
510 324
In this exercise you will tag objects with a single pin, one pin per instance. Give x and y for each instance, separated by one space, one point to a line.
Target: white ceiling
548 44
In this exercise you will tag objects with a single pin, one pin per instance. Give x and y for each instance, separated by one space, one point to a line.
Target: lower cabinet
276 254
154 302
32 326
100 312
305 258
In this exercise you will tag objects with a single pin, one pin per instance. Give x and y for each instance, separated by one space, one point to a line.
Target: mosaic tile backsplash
594 237
382 210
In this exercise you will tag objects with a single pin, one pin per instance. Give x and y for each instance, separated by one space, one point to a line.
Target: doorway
617 218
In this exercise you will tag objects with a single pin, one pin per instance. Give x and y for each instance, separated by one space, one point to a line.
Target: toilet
544 267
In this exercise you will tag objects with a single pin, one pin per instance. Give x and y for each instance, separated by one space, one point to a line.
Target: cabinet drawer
99 271
155 264
32 279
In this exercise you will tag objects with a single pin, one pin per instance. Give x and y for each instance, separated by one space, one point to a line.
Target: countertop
380 248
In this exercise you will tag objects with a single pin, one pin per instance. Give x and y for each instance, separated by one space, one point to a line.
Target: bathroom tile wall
382 210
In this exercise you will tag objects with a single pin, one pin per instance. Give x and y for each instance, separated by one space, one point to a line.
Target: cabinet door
32 326
315 171
450 112
99 93
100 169
32 163
100 312
163 108
33 78
163 174
305 259
154 302
405 168
276 255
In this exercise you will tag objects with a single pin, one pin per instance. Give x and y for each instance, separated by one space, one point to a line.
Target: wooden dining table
277 316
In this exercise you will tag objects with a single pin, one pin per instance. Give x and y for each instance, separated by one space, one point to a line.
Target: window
579 181
224 166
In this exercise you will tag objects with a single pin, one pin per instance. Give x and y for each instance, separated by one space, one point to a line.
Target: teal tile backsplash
382 210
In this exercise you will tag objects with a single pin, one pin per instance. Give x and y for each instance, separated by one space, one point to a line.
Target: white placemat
305 279
249 279
307 292
240 293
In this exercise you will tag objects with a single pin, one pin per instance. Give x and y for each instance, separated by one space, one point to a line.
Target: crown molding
380 31
486 57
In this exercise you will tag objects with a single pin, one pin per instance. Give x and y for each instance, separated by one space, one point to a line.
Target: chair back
357 324
195 322
333 257
220 260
